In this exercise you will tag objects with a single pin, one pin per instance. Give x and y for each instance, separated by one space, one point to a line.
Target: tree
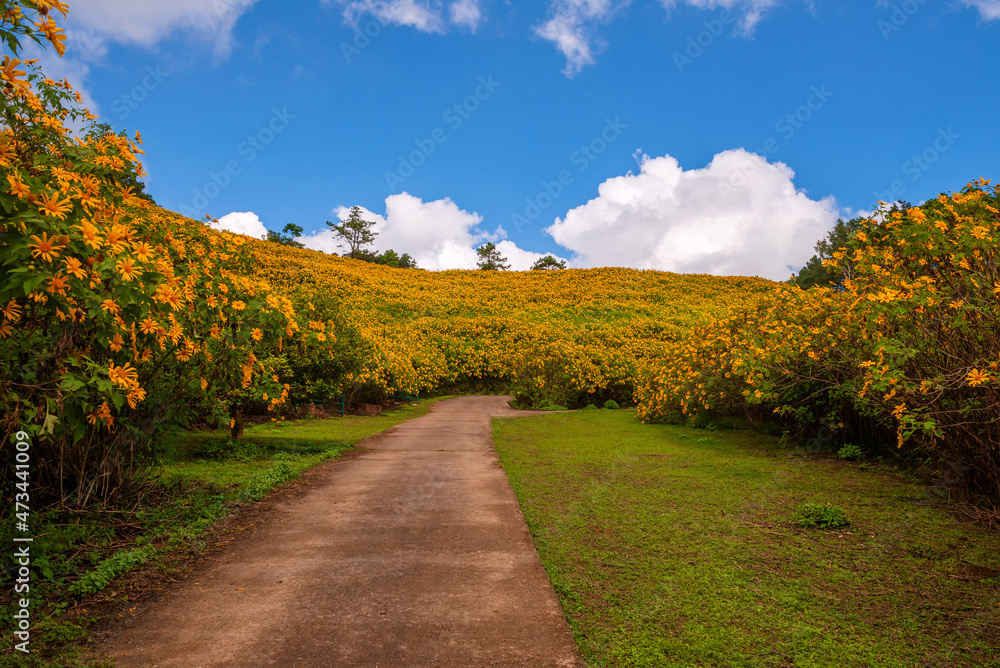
490 258
391 259
814 273
292 230
355 233
548 262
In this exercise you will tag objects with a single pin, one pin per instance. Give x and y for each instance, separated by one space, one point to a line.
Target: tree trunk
237 430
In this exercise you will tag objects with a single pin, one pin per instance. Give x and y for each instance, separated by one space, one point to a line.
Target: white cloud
989 9
573 22
752 10
520 259
242 223
466 13
740 215
423 15
146 23
438 235
571 26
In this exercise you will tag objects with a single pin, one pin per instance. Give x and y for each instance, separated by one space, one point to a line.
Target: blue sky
688 135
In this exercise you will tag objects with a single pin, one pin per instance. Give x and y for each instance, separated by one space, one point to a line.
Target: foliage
611 405
118 563
32 19
849 452
355 233
548 263
391 259
909 345
287 237
116 317
490 258
819 516
818 271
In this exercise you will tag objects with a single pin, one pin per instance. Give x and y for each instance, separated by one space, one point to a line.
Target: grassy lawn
670 546
209 458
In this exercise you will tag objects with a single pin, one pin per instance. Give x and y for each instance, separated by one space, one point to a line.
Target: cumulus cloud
146 23
423 15
740 215
520 259
989 9
572 24
245 222
437 234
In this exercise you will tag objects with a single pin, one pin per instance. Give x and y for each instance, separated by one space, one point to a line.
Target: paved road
411 553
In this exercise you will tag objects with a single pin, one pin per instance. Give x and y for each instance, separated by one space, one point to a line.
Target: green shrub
263 482
611 405
816 516
115 565
849 452
590 407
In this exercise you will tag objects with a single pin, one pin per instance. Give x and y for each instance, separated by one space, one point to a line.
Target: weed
816 516
849 452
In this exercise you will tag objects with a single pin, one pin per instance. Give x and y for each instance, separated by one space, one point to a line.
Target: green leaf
49 426
80 431
33 282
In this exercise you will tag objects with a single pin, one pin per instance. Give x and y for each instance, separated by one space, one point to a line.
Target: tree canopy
548 262
287 236
355 233
491 259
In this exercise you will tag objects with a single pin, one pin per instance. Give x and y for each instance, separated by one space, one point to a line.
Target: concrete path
411 553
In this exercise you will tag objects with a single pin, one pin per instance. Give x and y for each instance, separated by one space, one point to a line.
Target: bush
849 452
611 405
590 407
814 516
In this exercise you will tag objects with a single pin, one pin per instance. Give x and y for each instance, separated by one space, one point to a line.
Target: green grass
669 546
77 555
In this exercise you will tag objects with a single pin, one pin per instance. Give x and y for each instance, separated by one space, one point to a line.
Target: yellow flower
90 236
977 377
18 188
126 267
256 334
135 396
124 376
44 247
238 305
74 267
50 205
58 285
143 251
148 325
12 311
12 76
